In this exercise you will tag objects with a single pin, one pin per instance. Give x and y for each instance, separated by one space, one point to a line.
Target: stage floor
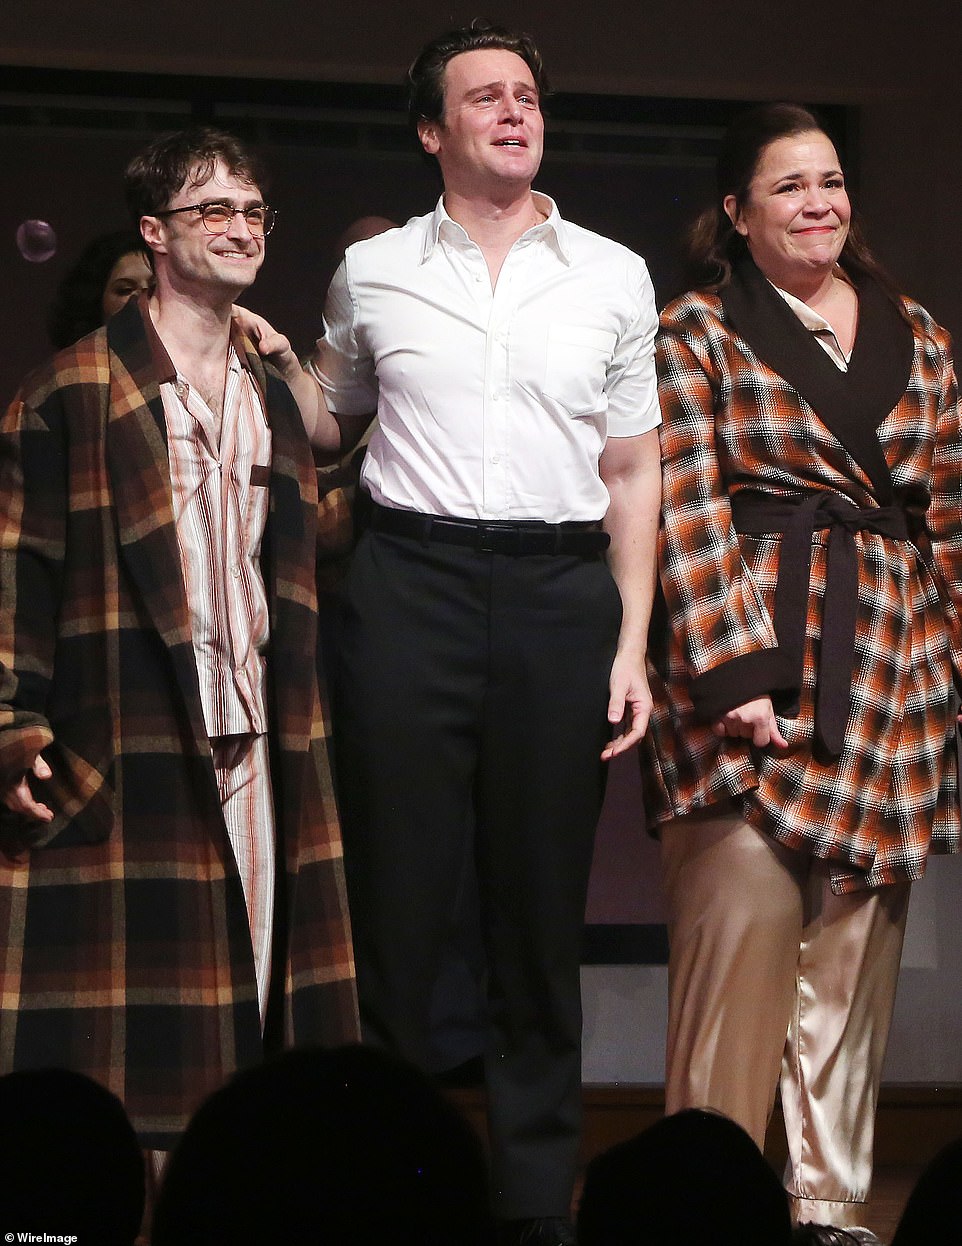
891 1188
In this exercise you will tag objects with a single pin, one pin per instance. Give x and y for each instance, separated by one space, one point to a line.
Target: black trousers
471 714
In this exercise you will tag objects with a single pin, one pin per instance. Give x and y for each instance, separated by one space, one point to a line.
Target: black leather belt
515 538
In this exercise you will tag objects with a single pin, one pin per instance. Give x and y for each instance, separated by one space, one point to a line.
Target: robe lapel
139 470
850 404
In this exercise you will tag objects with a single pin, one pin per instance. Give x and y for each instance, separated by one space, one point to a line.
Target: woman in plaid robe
801 757
126 946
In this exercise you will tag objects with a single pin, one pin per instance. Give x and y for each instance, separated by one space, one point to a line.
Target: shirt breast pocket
576 366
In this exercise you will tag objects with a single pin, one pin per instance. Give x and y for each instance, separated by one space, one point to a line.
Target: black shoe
543 1231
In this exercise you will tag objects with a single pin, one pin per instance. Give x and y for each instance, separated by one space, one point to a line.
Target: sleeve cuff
763 673
19 748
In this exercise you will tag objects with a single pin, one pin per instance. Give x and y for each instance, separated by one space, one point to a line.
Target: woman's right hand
755 721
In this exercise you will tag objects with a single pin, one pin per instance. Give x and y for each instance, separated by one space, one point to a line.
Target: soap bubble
37 241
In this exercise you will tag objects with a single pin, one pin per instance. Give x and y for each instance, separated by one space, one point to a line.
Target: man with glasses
171 891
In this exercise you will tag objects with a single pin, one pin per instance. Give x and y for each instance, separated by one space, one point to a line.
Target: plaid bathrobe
811 550
126 947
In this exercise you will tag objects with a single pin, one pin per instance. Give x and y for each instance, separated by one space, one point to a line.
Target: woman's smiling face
796 216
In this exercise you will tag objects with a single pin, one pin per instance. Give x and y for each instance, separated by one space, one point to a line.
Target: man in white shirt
489 650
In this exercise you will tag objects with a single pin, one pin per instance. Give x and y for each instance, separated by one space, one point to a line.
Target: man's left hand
629 705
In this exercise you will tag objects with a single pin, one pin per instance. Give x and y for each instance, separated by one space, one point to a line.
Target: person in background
337 487
801 763
112 268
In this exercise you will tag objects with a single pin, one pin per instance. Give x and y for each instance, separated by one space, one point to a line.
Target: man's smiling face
196 258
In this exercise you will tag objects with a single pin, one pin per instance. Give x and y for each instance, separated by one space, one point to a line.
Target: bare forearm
632 524
631 470
323 430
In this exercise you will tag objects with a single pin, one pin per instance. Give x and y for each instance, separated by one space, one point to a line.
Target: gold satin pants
773 978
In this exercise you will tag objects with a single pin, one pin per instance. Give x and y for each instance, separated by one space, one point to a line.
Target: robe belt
797 518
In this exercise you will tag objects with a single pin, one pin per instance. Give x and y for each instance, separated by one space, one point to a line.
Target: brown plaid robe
126 948
734 426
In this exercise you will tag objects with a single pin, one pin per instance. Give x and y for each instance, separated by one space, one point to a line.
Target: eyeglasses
217 217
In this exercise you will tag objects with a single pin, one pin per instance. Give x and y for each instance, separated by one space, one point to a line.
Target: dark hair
425 78
933 1212
712 244
154 176
69 1158
338 1146
692 1177
77 308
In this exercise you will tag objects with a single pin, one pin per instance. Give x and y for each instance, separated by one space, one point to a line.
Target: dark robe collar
850 404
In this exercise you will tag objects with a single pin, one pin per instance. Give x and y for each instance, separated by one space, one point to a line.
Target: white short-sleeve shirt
491 404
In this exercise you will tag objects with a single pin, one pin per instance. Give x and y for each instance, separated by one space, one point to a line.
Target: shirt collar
811 320
553 230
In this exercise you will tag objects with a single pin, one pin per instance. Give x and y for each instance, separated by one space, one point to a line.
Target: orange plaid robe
732 425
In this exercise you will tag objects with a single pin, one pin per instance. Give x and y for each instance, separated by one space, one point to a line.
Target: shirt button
495 458
235 572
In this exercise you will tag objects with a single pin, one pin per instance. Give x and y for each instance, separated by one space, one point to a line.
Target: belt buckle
493 539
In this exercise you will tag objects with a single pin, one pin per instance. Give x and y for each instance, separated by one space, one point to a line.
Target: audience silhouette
70 1163
338 1146
351 1145
692 1177
933 1213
